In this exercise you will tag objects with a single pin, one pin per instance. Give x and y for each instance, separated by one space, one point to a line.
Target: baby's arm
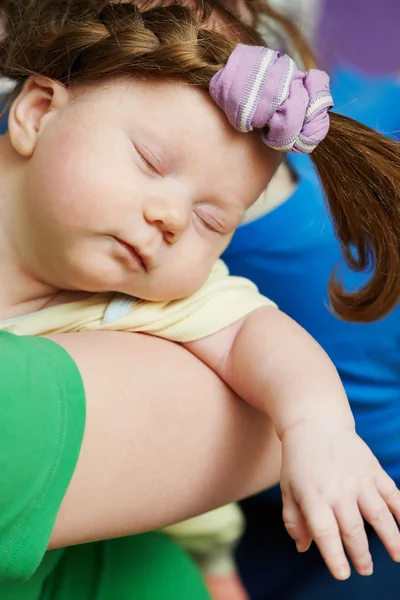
330 479
272 363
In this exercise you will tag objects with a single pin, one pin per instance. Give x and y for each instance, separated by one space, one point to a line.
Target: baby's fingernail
368 572
300 547
343 573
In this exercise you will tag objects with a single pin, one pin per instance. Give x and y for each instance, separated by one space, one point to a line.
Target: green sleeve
42 418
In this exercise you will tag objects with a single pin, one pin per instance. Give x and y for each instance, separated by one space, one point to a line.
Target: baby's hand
330 481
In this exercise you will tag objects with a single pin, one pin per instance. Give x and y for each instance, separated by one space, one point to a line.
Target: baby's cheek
188 283
63 191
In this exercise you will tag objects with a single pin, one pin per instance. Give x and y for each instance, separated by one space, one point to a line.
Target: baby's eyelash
208 226
146 161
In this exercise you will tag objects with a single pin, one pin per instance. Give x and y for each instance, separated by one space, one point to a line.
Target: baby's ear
40 99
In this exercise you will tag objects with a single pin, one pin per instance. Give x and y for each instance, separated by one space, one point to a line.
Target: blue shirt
290 253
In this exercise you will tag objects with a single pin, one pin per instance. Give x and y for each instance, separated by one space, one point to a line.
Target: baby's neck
21 292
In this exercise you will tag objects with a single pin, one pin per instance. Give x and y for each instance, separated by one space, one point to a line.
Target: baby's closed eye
215 220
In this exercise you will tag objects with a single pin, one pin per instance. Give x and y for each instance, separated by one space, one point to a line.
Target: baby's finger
295 524
324 529
390 493
375 510
354 536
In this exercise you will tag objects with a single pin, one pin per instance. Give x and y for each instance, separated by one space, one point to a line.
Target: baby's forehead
191 135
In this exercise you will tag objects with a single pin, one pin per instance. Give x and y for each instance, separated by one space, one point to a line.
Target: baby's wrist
318 423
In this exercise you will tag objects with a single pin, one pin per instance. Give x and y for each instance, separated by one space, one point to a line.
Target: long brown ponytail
360 173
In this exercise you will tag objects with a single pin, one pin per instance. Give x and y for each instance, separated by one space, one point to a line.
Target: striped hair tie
263 89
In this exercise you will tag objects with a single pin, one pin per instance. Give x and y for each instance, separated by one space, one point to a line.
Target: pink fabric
262 89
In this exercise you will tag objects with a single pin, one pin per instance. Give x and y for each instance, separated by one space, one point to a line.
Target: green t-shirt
42 419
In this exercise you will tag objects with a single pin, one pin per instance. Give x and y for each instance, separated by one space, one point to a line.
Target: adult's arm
164 440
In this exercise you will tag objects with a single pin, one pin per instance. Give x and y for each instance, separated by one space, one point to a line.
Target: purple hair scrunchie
263 89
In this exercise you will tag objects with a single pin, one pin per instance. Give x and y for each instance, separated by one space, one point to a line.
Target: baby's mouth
135 254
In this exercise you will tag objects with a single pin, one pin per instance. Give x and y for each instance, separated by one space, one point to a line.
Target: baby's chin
155 295
149 295
159 293
149 288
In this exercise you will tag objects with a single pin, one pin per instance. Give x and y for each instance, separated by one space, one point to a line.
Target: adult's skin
165 440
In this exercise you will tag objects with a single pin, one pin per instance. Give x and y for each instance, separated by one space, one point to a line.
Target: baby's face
137 188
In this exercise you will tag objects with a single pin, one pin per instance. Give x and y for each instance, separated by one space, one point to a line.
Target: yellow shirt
223 300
